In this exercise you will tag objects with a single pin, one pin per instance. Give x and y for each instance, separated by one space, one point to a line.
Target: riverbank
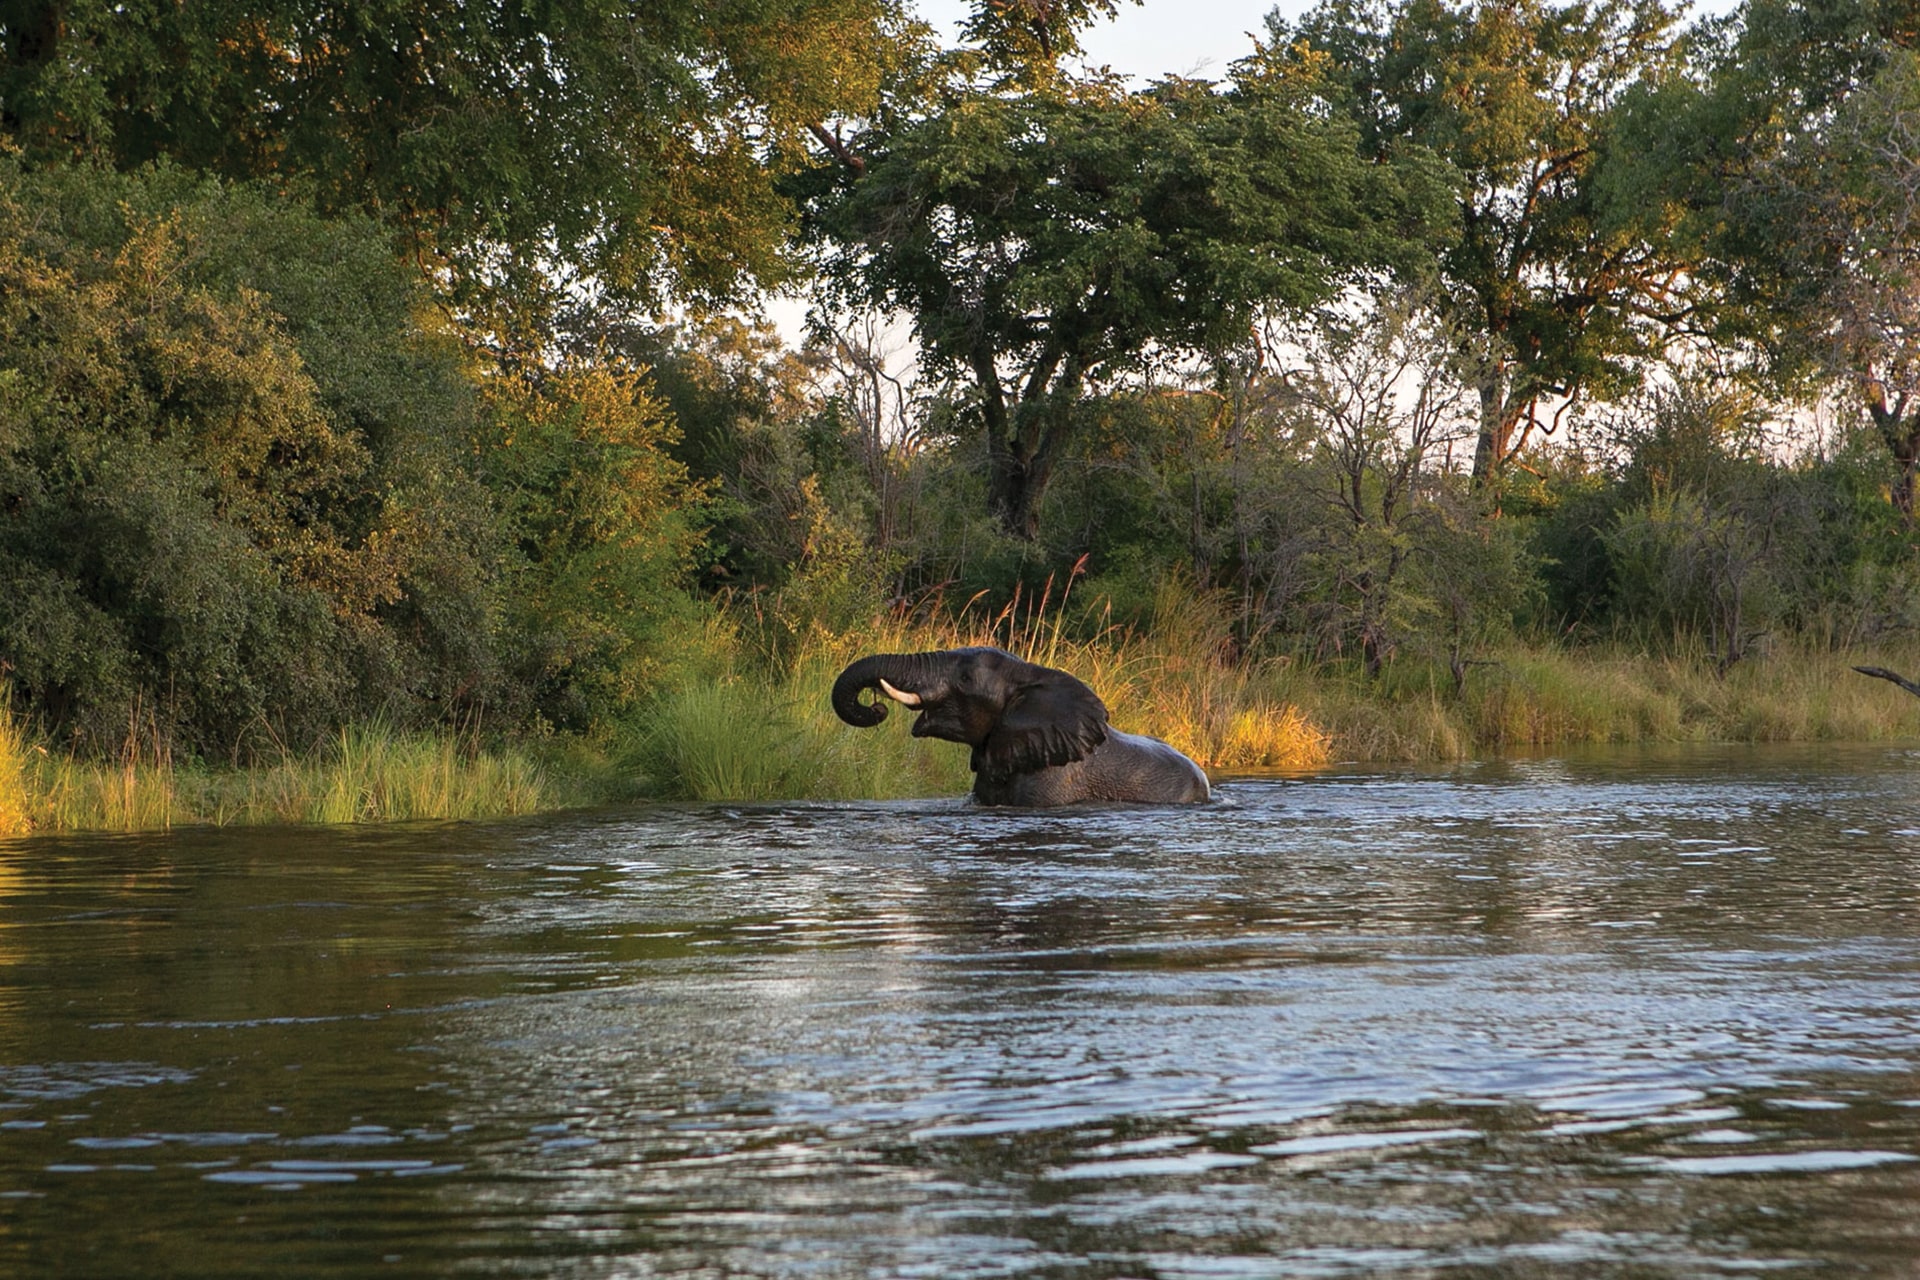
368 774
743 736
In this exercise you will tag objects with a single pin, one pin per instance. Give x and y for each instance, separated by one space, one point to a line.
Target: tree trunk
1499 415
1488 448
1013 494
1902 434
1024 445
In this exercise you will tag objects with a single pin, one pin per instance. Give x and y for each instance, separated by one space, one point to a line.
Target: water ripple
1618 1014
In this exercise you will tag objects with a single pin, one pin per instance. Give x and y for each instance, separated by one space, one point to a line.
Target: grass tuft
14 820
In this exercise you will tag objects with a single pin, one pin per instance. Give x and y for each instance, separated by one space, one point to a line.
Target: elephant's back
1127 767
1133 766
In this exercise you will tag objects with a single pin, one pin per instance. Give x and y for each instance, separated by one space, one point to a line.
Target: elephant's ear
1051 719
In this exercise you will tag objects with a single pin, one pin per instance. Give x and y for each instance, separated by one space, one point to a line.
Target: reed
370 774
739 728
14 749
1179 679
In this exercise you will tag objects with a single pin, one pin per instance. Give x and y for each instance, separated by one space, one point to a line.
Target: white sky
1187 37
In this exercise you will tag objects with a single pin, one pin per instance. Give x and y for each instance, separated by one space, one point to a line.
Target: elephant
1039 736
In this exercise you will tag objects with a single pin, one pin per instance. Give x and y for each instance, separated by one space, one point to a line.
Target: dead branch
1881 673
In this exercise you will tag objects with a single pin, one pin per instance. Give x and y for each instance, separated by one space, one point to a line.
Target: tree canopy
1047 240
1785 168
1556 294
632 146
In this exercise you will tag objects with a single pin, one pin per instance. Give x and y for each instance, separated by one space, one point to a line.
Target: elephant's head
1017 717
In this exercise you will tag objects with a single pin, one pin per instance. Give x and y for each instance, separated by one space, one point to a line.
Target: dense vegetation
1453 375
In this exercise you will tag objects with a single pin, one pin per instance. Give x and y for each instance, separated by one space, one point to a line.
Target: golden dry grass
14 749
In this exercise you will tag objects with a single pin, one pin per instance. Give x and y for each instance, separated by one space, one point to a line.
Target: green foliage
1397 552
720 380
1786 166
1567 513
1027 38
599 520
192 522
1482 576
248 491
1550 291
635 144
1686 564
1713 538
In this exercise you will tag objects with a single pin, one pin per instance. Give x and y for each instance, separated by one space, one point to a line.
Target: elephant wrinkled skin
1039 736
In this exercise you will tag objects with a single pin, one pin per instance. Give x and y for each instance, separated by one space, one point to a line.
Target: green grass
1546 698
731 738
369 774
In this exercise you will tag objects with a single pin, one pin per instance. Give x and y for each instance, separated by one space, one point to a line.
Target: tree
1378 395
1553 295
1788 169
1871 218
1050 239
629 147
1029 37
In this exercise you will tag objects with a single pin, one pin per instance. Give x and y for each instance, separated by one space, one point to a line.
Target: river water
1624 1014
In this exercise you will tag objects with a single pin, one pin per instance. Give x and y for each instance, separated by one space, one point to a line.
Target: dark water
1622 1015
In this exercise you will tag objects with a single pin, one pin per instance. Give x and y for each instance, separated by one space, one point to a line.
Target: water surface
1626 1014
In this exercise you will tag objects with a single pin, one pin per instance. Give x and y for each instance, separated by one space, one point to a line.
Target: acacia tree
1049 236
1874 297
1553 295
632 146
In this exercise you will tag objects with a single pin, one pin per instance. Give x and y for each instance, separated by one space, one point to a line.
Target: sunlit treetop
1052 235
1518 97
1029 36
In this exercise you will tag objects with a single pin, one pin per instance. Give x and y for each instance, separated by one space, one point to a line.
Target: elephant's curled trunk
907 672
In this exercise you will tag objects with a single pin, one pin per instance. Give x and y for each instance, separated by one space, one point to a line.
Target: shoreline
1251 718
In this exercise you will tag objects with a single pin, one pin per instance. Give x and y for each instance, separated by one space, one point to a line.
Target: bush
251 490
190 529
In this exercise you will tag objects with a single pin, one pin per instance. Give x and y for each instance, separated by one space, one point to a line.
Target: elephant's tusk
899 696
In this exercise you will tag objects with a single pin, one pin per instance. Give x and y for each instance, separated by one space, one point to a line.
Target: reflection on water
1647 1014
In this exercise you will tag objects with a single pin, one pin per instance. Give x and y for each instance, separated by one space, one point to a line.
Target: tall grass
773 736
368 774
736 738
769 733
1546 697
758 727
14 819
